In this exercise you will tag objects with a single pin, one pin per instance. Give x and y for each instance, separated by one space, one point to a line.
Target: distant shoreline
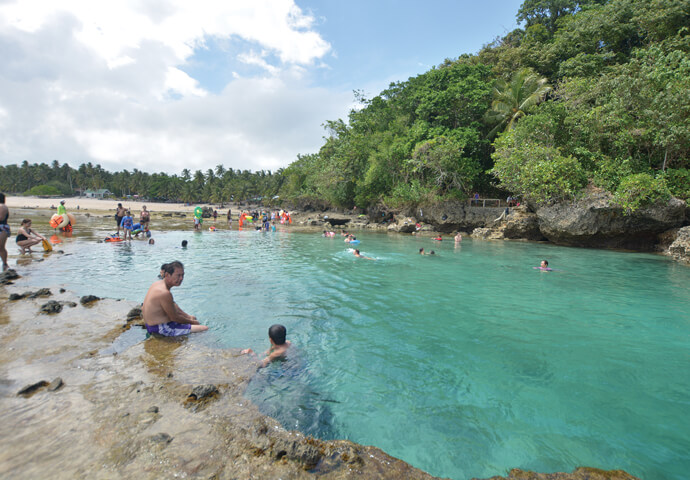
105 205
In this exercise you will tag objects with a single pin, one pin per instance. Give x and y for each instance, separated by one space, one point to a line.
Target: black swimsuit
21 236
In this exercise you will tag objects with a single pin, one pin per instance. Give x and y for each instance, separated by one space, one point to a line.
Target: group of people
124 221
162 316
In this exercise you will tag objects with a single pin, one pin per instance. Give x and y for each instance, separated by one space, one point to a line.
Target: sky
164 85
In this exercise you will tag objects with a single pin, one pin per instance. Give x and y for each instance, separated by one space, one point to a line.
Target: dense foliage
590 92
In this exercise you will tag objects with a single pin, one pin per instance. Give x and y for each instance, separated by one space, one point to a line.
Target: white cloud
104 82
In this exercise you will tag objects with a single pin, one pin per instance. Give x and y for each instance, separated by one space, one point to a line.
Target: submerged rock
7 276
43 292
134 314
581 473
31 389
51 307
87 299
56 384
17 296
201 392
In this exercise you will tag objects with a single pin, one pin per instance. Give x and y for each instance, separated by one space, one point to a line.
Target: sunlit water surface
464 364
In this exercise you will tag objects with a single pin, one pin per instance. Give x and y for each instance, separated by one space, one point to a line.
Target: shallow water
464 364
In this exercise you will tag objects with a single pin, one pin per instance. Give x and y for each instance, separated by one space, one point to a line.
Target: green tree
513 99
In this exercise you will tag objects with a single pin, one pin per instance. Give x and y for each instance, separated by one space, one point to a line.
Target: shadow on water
284 391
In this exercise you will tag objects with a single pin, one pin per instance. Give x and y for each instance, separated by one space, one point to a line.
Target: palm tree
512 99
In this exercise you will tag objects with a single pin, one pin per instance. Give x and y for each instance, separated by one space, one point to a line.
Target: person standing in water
161 314
4 231
119 215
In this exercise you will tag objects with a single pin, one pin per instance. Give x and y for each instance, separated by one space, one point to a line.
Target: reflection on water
463 365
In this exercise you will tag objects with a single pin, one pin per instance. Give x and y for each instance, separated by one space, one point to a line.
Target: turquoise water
464 365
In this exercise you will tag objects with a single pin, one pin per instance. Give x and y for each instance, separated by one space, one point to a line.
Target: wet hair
170 268
546 262
184 243
421 250
356 251
432 253
2 197
277 333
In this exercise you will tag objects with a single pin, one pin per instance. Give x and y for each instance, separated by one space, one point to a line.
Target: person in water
358 255
127 225
28 237
161 314
544 266
5 231
458 238
184 243
119 215
279 346
61 210
421 251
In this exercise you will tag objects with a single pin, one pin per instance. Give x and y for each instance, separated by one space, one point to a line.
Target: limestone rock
597 222
56 384
680 248
522 224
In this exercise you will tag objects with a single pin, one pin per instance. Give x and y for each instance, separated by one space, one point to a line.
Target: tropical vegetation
586 94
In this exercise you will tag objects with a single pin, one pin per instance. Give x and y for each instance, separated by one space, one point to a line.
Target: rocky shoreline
592 222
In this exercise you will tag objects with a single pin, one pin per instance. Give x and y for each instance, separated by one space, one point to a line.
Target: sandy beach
96 205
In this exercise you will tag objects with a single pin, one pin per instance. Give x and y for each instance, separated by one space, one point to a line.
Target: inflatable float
113 238
62 221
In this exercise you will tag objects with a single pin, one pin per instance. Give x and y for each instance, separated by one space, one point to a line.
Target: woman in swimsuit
4 231
28 237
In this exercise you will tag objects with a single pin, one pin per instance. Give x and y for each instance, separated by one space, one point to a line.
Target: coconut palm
512 99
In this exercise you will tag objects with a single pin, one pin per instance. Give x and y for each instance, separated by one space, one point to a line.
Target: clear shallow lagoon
464 365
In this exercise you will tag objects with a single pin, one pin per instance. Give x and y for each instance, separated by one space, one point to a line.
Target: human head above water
277 333
544 263
184 243
170 268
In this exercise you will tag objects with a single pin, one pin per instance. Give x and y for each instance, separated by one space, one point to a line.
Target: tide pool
464 364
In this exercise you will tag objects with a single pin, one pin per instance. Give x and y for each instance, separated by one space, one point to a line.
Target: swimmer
421 251
544 267
161 314
151 241
438 238
358 255
184 243
279 346
458 238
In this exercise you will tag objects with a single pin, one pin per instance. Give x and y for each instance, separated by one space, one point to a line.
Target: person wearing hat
61 208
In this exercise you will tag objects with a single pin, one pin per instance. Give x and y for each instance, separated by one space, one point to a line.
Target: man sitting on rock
161 314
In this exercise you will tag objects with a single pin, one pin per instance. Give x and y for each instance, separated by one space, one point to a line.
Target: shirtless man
161 314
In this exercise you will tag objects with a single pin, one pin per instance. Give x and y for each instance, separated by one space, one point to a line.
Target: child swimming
279 346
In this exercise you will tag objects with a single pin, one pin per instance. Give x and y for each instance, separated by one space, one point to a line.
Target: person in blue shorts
127 225
161 314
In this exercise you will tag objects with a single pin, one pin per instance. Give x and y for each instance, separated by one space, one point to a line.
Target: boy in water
279 346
